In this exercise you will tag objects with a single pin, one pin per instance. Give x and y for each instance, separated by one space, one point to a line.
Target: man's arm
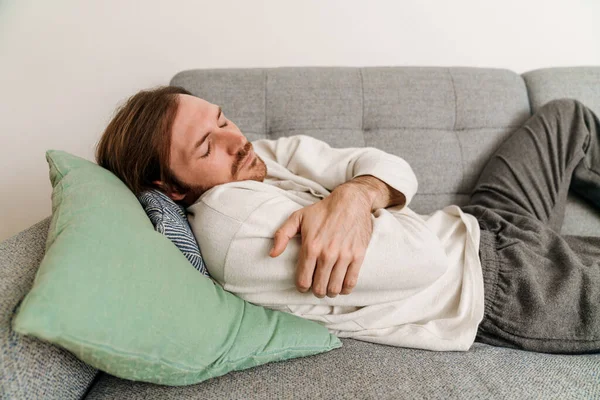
380 194
336 231
331 167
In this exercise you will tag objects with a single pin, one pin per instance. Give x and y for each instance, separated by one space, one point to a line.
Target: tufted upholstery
445 122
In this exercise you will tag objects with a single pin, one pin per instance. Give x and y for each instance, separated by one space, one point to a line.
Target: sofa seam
93 383
362 92
265 103
529 98
462 158
460 147
397 127
455 99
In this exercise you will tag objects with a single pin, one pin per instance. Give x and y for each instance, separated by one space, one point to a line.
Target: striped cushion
169 218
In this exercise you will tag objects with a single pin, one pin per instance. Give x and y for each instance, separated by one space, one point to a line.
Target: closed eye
208 152
209 142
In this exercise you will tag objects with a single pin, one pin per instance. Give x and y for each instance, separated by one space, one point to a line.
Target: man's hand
335 235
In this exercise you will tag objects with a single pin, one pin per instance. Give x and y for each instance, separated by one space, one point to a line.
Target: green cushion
124 299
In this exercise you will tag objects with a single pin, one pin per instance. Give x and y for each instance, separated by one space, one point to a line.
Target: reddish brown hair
136 143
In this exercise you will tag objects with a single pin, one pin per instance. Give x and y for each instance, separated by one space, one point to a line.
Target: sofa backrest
446 122
581 83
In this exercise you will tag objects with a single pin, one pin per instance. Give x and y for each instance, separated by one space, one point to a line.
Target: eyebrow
199 142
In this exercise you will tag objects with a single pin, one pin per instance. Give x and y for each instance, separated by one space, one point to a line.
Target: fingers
352 275
331 253
283 235
321 279
305 269
328 274
336 279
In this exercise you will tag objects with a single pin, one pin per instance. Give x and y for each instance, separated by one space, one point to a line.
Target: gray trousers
542 289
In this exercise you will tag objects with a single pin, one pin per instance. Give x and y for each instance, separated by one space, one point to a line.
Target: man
327 234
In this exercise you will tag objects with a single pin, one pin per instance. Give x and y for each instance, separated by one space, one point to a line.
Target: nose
233 142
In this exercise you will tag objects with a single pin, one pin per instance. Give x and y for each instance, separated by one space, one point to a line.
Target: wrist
366 188
376 193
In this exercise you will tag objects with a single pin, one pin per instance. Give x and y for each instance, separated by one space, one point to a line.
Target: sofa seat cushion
361 370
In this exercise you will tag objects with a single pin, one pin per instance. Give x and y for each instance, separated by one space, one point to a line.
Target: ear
175 196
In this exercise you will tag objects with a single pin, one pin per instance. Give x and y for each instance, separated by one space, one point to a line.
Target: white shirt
420 284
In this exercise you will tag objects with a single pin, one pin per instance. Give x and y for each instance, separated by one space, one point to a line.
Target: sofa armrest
32 368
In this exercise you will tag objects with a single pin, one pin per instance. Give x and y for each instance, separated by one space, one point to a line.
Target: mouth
248 159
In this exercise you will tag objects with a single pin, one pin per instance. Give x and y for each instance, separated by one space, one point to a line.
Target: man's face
200 127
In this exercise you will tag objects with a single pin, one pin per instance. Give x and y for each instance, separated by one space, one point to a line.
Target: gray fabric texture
542 290
581 83
31 368
446 122
360 370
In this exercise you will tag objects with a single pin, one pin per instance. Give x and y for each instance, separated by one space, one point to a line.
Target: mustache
240 156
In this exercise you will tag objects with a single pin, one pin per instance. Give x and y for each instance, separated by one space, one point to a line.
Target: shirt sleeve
316 160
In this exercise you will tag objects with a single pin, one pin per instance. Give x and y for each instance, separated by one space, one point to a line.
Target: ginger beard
255 170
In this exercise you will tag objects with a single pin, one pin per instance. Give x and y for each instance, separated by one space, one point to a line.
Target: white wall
64 65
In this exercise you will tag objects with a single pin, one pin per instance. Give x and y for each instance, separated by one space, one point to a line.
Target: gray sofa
445 122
